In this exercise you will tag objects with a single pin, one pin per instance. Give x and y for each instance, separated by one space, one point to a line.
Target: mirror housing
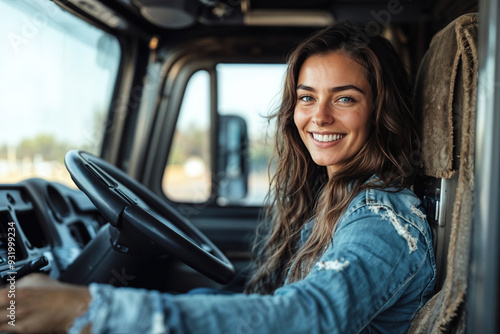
232 160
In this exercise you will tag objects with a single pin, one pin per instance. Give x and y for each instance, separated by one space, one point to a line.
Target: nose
323 115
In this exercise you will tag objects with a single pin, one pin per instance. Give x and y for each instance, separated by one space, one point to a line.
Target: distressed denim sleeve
375 274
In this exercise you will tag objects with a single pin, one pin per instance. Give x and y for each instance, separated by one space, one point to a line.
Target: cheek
298 118
360 122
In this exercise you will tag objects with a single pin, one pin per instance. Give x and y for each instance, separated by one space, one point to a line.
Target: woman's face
333 109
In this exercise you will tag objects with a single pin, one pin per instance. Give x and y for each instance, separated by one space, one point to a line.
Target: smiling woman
340 85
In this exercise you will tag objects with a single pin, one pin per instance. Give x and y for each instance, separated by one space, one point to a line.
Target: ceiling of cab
276 12
185 14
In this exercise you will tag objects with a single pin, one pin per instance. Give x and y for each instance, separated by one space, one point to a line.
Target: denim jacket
377 272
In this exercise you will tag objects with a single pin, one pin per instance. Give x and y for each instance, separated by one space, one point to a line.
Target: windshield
57 75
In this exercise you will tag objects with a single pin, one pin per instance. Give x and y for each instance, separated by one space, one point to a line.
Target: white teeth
327 138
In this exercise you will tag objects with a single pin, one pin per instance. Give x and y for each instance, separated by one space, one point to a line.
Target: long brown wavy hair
300 190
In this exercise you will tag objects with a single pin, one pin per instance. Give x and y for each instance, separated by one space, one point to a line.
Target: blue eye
346 99
306 98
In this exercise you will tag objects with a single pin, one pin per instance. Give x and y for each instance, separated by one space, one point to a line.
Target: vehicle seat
445 101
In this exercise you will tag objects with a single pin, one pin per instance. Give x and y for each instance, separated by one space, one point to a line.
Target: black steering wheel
124 202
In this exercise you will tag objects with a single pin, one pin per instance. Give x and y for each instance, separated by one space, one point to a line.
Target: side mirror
232 162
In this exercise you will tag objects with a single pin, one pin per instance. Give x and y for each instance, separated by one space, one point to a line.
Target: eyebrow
334 89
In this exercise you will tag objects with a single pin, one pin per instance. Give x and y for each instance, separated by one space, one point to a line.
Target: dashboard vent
8 228
79 233
31 228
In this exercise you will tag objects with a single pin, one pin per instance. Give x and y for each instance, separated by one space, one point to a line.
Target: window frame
184 63
483 298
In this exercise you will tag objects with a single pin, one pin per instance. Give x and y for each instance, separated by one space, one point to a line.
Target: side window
246 95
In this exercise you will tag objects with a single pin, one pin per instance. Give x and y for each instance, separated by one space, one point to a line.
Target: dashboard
43 227
51 228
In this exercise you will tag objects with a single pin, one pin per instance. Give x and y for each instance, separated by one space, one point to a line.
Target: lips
326 138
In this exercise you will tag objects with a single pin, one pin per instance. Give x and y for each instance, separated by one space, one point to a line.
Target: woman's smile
327 138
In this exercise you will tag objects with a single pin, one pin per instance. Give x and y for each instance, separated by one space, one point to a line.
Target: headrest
439 94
